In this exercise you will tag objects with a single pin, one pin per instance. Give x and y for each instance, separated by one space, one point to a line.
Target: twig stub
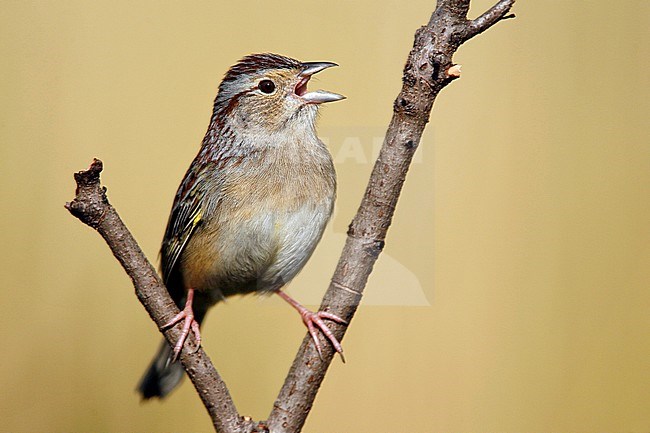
90 203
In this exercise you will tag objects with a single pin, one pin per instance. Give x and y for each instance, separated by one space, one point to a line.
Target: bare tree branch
488 19
425 74
429 68
92 207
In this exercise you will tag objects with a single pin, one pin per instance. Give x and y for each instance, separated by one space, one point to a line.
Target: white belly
296 236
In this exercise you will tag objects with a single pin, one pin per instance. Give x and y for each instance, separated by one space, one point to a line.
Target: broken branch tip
454 71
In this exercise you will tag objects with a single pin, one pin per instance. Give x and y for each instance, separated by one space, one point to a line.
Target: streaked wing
186 215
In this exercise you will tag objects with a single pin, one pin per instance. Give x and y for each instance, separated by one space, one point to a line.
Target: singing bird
253 204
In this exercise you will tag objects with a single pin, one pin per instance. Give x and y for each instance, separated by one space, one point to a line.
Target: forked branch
429 68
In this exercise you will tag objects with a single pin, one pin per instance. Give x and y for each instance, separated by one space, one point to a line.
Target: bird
251 207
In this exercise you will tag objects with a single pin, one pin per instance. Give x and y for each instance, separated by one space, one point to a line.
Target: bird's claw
313 320
187 315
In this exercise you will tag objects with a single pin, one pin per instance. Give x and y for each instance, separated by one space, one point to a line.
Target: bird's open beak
317 96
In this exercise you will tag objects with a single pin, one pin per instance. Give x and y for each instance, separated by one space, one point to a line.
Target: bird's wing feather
187 214
185 217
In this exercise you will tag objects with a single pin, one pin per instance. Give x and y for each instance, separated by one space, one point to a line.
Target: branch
92 207
491 17
428 70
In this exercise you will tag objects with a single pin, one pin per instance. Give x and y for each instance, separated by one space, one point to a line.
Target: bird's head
268 92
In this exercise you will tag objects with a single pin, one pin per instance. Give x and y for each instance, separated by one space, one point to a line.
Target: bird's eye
266 86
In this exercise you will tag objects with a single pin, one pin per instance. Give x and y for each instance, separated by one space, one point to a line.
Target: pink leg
186 314
313 320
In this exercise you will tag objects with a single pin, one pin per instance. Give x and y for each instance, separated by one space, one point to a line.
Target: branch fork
429 68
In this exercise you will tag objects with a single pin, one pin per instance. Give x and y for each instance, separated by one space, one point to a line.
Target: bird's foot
187 315
314 320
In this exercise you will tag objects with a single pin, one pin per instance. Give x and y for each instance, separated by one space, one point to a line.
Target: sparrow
252 206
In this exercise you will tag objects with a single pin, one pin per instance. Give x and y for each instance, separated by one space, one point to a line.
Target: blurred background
513 294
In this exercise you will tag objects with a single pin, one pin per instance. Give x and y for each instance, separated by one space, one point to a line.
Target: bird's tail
162 376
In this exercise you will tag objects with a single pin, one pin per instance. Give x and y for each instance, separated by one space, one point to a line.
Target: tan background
513 295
